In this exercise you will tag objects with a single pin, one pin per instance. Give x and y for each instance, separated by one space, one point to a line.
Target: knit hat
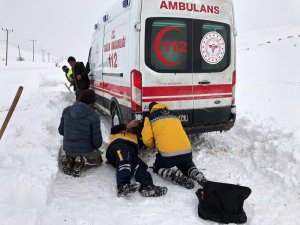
88 96
151 105
65 68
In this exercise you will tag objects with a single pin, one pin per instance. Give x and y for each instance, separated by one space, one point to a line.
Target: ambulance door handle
91 75
205 82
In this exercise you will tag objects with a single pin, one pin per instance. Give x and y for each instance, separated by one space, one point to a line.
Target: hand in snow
132 124
78 77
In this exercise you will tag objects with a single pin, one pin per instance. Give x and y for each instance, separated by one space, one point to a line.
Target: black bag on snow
222 203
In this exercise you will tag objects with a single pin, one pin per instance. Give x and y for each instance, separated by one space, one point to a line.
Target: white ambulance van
181 53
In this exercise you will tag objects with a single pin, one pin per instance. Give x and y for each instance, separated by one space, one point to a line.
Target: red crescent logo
157 49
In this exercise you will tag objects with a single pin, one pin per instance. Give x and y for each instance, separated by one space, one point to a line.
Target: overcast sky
64 27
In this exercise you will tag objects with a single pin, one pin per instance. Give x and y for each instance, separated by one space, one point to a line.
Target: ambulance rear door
166 58
214 64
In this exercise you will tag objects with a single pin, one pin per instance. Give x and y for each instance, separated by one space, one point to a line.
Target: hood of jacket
80 110
158 107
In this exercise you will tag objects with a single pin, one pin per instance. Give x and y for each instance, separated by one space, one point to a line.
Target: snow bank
28 149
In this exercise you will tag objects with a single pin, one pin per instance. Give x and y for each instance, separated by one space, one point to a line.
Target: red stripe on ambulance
122 92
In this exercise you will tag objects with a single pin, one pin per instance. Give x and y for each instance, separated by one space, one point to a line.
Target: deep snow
261 151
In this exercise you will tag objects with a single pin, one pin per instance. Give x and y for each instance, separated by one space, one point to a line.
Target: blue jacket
80 126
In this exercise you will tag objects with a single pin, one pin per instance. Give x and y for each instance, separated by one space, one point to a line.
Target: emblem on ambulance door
212 47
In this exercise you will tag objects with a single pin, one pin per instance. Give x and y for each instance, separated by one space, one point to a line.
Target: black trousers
182 162
124 158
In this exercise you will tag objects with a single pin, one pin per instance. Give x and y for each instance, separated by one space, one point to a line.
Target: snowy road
251 155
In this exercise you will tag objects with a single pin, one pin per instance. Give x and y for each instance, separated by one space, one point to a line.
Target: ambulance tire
116 117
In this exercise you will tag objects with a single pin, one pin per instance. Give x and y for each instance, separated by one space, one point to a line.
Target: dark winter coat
84 82
80 126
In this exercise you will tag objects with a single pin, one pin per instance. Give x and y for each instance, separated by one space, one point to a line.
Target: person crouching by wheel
122 153
80 127
163 130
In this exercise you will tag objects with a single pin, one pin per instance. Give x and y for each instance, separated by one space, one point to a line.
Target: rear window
174 45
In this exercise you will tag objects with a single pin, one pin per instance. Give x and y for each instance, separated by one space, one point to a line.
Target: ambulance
179 53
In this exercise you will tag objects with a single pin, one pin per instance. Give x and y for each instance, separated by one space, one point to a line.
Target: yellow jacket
124 136
163 130
69 75
120 135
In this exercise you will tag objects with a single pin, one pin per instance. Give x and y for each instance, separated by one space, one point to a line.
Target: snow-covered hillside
268 74
14 54
261 151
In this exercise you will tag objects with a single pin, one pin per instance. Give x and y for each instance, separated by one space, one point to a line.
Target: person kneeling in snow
80 126
122 153
163 130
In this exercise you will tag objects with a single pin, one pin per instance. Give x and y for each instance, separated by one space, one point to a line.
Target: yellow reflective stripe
120 155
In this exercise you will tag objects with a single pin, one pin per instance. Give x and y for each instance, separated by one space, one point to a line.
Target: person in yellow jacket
163 130
69 76
122 153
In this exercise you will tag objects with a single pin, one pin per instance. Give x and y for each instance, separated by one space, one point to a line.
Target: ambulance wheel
116 118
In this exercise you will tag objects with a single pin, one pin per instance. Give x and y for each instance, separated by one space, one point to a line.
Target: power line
7 31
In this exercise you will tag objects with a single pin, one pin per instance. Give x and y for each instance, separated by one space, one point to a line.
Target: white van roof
222 10
115 10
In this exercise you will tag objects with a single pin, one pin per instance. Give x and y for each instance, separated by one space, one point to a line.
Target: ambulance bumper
212 127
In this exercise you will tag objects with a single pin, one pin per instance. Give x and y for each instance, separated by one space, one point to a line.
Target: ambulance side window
95 56
168 46
213 47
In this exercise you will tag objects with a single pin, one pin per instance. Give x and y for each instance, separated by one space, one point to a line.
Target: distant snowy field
261 151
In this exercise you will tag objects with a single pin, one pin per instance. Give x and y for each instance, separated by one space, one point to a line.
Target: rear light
233 87
234 78
136 91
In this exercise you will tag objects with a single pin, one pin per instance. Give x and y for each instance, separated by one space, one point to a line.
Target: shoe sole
133 188
155 193
77 169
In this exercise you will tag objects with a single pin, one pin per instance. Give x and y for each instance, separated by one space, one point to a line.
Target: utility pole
48 56
33 41
19 52
7 31
43 51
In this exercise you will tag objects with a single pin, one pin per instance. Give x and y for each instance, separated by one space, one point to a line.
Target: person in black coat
80 74
80 126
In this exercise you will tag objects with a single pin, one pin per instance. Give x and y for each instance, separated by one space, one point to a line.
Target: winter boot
196 175
126 189
153 191
76 172
177 177
67 164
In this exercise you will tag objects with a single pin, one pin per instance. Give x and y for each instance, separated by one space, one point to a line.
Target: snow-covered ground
261 151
